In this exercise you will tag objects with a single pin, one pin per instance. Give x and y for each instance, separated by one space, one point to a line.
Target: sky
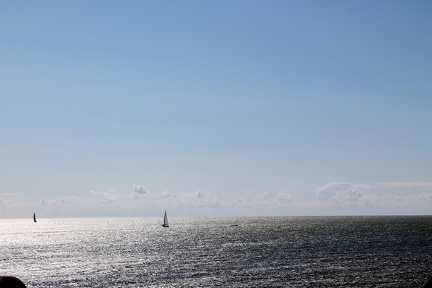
215 108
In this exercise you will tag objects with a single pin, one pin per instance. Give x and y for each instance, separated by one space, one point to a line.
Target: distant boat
165 224
34 217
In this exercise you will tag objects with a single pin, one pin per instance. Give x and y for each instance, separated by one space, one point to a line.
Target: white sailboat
165 224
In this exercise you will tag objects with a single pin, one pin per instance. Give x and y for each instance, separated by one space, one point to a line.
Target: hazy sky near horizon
130 108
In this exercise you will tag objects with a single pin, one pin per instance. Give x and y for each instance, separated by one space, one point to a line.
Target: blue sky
128 108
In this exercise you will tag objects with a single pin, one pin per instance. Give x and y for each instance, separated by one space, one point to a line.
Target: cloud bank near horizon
382 198
333 198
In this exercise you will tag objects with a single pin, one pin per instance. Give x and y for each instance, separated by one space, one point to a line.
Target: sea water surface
210 252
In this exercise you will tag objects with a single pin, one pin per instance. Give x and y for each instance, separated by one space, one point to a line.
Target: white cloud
339 192
139 189
273 198
167 194
285 197
332 189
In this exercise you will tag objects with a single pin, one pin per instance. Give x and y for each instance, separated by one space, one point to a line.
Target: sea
372 251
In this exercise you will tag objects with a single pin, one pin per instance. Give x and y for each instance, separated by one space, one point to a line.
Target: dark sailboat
165 224
34 217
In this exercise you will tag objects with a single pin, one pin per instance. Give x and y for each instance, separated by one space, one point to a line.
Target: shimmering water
209 252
